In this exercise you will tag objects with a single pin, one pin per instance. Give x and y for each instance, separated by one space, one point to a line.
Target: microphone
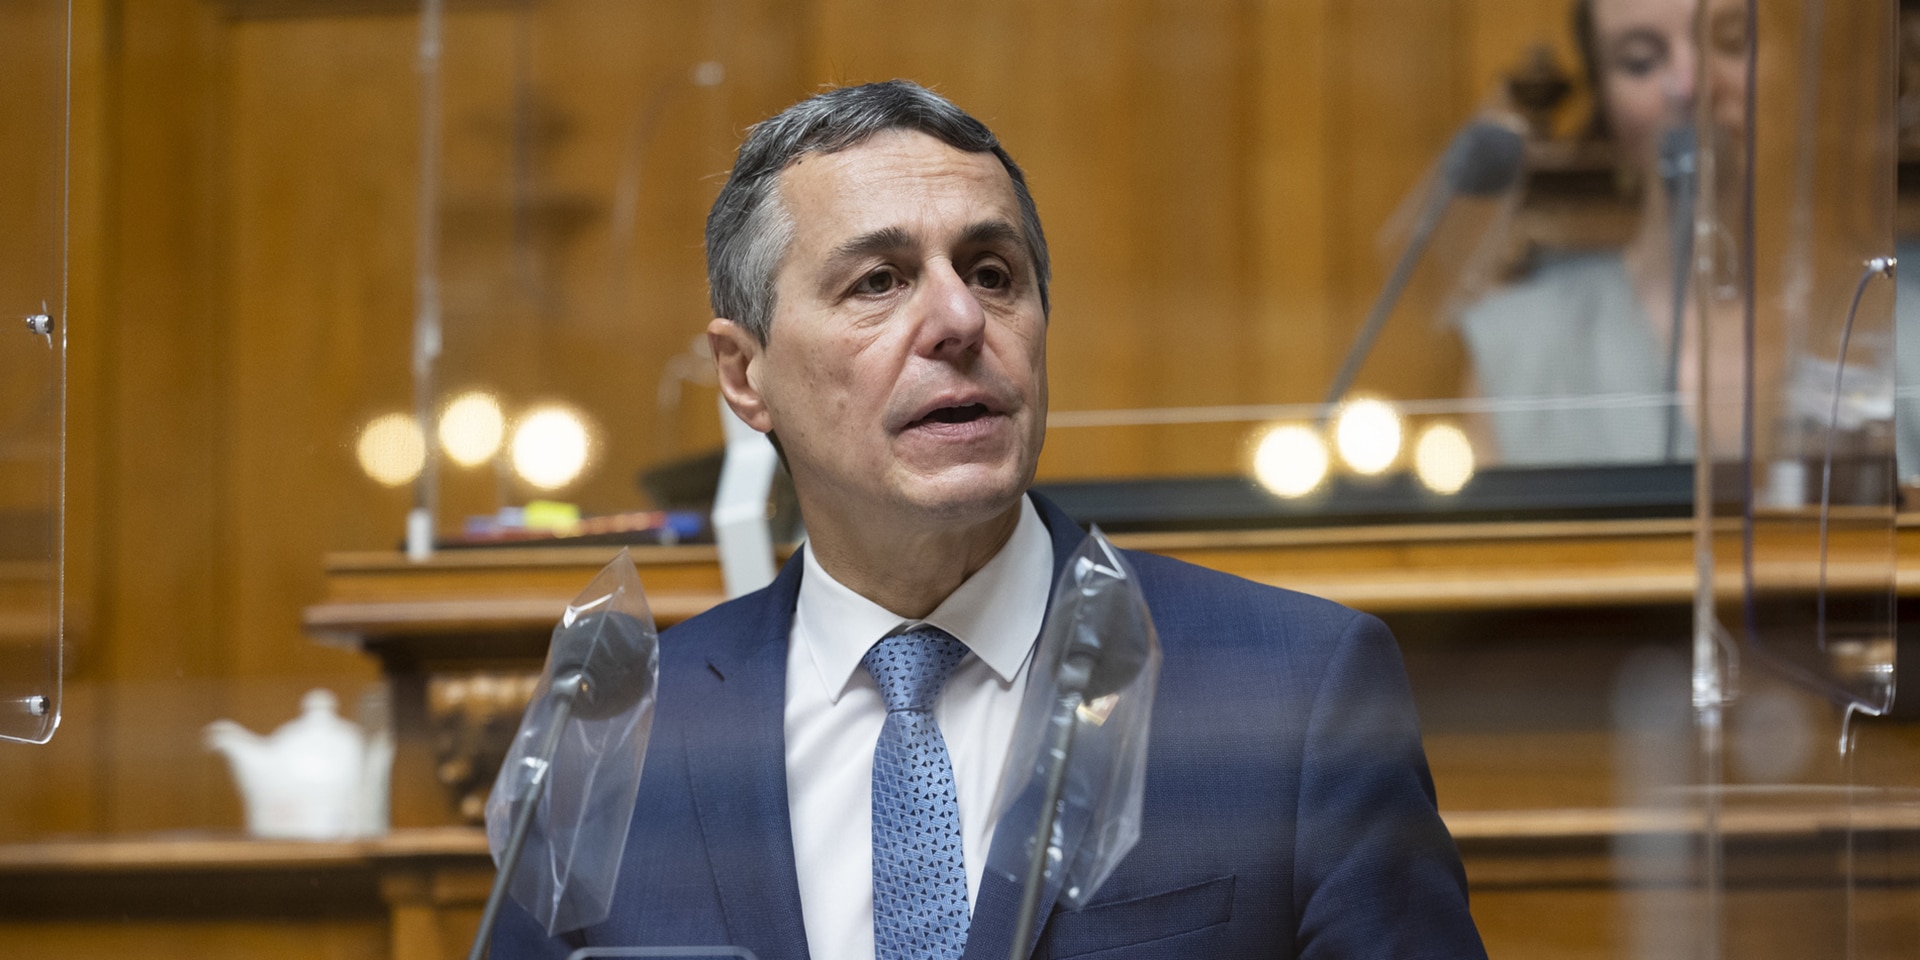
1483 160
1098 641
1678 168
1104 652
602 666
608 652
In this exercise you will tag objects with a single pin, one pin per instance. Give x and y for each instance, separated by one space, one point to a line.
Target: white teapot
318 777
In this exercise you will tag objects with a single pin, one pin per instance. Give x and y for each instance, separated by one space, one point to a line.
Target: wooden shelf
376 598
423 612
1478 827
1500 848
419 890
226 852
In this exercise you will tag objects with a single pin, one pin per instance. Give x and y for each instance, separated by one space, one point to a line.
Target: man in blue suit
826 751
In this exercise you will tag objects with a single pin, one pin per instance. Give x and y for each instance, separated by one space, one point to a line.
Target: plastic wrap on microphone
604 659
1096 667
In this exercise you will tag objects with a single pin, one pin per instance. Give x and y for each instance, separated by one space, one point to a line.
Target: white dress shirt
834 714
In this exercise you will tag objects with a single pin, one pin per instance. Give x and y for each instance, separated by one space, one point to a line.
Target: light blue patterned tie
919 875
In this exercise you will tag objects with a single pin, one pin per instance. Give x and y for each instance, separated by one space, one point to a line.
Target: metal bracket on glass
34 706
41 325
1876 267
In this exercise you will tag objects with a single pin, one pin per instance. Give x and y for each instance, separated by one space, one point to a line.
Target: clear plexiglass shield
33 186
606 641
1083 725
1799 198
1796 363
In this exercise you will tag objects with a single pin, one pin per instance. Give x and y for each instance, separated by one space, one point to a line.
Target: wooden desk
411 895
1511 634
377 600
416 894
1515 601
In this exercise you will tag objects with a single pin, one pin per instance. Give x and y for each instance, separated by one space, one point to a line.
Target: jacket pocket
1140 920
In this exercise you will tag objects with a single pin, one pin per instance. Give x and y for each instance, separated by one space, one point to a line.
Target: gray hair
748 230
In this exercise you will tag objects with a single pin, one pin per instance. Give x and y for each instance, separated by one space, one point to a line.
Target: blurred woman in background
1597 323
1591 332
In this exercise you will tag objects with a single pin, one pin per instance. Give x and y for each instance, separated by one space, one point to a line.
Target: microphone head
1678 146
1113 668
613 653
1108 642
1484 159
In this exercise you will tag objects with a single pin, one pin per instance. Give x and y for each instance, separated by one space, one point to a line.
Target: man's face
905 371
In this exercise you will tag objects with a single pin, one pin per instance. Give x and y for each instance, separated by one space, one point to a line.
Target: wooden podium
1507 630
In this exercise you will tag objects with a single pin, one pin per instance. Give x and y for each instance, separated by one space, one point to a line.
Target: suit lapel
1065 533
990 935
739 776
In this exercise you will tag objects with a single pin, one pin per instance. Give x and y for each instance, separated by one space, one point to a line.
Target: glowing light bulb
1443 458
391 449
1290 460
471 428
1367 434
550 448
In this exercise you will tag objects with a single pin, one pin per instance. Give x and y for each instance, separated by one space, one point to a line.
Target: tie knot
912 668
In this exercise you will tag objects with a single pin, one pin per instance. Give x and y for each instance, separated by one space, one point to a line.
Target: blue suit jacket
1288 808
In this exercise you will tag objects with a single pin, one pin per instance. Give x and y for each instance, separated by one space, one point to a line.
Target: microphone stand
1483 160
1389 296
1677 169
1075 673
565 690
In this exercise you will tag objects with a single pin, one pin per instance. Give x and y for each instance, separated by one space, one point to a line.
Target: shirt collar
997 612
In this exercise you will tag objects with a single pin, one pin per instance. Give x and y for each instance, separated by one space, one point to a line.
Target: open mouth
965 413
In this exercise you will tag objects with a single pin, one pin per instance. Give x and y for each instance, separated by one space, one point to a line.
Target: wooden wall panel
165 429
51 788
1499 36
1089 212
648 150
320 142
1215 187
159 641
1214 176
141 432
1111 167
1294 197
1398 94
545 298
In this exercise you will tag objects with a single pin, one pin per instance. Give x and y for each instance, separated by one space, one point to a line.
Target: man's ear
736 352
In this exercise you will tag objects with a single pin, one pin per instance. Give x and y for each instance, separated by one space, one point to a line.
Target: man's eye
992 278
876 283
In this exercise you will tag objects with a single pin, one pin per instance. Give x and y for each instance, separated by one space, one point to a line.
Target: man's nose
951 318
